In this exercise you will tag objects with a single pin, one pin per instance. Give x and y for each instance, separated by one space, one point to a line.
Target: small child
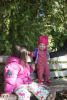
18 80
40 53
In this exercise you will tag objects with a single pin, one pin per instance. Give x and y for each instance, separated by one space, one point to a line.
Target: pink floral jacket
15 75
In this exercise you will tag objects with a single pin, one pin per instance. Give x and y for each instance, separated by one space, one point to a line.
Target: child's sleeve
10 78
30 68
34 53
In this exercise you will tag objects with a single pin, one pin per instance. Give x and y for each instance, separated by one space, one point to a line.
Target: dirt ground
61 95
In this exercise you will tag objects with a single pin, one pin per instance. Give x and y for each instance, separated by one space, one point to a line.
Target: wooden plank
60 58
58 84
58 73
52 74
10 97
3 59
58 66
60 81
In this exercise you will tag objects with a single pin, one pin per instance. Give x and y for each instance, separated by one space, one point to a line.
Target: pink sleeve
31 70
8 88
10 75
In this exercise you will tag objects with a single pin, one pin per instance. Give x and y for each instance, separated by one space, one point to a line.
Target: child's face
26 57
41 46
24 54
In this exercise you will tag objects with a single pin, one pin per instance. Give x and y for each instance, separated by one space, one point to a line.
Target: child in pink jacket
40 53
18 80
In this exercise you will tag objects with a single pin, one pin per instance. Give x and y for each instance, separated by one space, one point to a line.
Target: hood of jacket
11 59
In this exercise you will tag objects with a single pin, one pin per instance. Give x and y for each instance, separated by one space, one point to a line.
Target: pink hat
43 39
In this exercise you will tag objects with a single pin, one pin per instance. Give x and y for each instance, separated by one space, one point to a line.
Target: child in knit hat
41 59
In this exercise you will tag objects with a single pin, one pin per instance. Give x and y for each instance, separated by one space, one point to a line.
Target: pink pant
43 70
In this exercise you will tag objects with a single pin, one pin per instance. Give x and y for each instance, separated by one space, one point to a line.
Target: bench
58 75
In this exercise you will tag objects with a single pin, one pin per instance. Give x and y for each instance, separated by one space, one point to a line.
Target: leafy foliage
23 21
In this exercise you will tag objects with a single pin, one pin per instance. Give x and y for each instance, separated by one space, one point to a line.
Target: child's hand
5 95
33 66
